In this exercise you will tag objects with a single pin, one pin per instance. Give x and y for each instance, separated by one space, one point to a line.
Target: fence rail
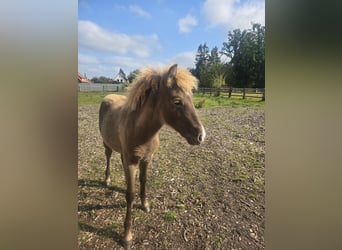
229 92
99 87
239 92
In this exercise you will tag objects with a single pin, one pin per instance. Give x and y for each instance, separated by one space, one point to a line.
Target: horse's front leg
130 173
142 178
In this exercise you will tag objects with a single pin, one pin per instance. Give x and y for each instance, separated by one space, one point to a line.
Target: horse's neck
147 123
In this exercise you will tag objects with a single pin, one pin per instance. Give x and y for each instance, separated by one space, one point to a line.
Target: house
120 77
82 78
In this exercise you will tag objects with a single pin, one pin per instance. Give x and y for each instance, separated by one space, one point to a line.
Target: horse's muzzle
201 136
197 137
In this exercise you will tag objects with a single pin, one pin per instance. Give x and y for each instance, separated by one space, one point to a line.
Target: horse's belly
111 138
109 129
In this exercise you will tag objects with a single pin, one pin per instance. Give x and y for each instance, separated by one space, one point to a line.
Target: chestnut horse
130 125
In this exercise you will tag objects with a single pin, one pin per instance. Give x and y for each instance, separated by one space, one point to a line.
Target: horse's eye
178 102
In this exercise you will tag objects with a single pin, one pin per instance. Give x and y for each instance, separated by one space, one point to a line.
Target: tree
232 46
246 49
209 68
214 75
132 75
201 60
260 54
94 79
214 58
101 79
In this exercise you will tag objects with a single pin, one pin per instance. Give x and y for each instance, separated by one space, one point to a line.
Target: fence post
263 96
117 88
102 88
243 93
230 92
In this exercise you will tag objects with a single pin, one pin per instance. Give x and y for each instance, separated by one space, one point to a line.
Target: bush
200 104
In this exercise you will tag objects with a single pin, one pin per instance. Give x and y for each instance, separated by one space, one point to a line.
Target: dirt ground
202 197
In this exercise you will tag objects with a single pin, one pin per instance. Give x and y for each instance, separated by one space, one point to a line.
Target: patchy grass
94 98
202 197
207 101
170 215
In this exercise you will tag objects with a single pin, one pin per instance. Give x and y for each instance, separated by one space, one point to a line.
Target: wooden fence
229 92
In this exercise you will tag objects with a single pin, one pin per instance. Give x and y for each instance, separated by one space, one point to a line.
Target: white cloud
87 59
186 23
231 14
94 37
124 62
184 59
218 11
250 13
96 70
139 11
110 65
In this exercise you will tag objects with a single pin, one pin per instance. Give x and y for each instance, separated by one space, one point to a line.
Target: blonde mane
149 79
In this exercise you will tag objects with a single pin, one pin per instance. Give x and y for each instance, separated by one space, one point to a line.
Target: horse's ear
172 71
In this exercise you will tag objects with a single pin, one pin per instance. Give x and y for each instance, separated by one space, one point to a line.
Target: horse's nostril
200 137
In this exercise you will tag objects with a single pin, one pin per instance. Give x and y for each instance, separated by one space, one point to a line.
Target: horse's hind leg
142 178
108 152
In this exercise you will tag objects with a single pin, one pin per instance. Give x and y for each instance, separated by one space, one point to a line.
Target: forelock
184 80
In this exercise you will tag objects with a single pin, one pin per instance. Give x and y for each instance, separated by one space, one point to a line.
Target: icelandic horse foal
130 125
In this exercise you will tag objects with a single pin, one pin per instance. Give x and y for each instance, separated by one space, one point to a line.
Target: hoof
107 182
128 240
127 244
146 209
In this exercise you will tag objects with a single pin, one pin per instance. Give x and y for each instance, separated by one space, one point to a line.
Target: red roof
82 78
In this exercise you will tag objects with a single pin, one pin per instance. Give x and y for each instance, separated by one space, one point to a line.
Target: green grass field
200 100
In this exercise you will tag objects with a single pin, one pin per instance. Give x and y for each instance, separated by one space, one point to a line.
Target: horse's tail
103 111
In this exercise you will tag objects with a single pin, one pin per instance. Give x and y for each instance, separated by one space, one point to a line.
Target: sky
130 34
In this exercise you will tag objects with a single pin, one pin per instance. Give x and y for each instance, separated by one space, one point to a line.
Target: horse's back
109 116
116 101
